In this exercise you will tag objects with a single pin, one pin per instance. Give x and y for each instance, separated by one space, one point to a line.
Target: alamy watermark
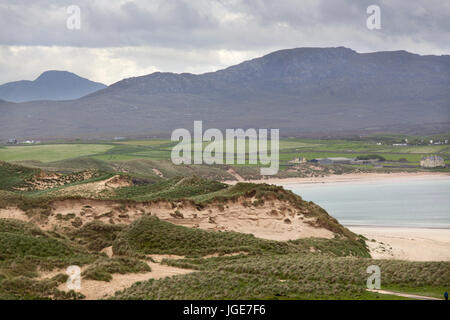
374 20
240 146
73 22
374 280
74 280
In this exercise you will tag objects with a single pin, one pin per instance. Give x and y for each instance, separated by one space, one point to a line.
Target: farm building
298 160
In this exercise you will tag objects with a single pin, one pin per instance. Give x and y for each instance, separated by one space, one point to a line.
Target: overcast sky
125 38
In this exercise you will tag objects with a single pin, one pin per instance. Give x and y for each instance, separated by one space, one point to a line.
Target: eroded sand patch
158 172
13 213
238 177
96 187
273 219
160 257
95 290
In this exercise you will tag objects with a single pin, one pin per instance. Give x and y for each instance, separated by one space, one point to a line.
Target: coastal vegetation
290 276
100 215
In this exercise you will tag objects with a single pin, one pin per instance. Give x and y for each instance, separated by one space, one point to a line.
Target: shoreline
405 243
413 243
348 177
369 226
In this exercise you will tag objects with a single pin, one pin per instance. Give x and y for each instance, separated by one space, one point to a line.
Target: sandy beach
414 244
351 177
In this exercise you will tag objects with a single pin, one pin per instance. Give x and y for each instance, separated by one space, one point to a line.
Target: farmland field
50 152
160 149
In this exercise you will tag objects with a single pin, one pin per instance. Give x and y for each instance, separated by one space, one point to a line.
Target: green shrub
371 157
96 235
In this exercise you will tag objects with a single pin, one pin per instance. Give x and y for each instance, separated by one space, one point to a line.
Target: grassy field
158 149
51 152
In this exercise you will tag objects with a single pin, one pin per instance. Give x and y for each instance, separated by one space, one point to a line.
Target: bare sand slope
13 213
96 187
94 290
235 175
274 219
414 244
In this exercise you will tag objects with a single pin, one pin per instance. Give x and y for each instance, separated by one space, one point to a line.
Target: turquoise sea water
396 203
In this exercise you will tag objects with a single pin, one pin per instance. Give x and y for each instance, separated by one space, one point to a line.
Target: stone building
298 160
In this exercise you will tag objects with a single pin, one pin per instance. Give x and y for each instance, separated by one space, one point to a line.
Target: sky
116 39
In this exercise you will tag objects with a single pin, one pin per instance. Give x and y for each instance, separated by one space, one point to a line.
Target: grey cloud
187 24
131 37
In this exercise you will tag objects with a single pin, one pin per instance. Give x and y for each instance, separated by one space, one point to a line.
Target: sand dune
273 220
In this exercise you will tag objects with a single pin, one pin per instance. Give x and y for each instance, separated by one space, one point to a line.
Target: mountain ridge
301 91
50 85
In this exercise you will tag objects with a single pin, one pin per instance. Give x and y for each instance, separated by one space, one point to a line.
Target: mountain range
50 85
302 91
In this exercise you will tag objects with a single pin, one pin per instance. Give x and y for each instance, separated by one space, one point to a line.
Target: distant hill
303 91
50 85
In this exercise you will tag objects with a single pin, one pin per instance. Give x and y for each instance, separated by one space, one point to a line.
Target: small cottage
298 160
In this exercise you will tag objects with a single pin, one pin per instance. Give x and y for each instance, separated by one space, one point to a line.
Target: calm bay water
396 203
